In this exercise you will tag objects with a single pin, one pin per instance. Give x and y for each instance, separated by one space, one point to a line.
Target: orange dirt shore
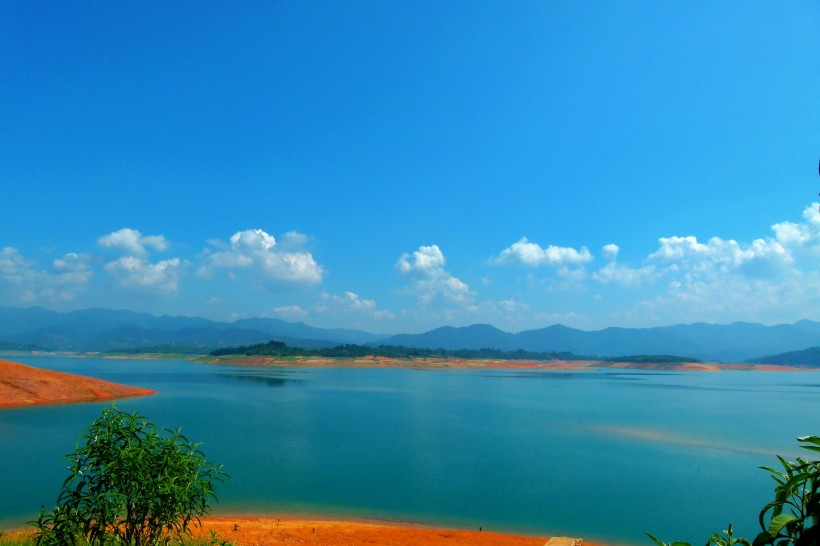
248 531
436 363
22 385
269 531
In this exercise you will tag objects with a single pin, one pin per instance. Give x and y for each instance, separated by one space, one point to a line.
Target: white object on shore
564 541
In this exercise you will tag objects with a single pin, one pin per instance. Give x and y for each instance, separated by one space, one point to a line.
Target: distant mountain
300 330
708 342
807 358
477 336
107 329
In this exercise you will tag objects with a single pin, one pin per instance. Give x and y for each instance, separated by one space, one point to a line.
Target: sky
400 166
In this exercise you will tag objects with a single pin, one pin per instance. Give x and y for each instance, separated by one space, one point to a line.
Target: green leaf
763 539
661 543
778 522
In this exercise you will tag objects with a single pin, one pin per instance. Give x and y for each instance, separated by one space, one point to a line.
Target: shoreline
265 530
26 386
271 530
488 364
428 363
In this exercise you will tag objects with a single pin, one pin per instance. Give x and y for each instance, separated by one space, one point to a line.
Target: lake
602 454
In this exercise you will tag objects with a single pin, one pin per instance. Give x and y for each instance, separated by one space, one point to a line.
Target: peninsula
22 385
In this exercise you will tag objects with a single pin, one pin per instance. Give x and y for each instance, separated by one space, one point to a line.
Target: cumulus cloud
685 259
719 255
24 283
610 251
293 240
427 260
137 274
532 254
289 312
133 242
723 279
804 236
14 268
616 273
425 268
351 302
257 252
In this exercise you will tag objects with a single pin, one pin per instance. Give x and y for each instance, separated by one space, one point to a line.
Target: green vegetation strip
278 349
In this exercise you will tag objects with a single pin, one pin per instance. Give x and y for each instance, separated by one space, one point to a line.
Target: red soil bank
22 385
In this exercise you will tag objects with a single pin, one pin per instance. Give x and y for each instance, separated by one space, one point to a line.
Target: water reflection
643 434
594 375
265 378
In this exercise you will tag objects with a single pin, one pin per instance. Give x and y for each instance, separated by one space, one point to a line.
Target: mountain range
87 330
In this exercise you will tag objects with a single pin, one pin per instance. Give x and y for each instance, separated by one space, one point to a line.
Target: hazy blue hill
607 342
111 329
299 330
50 338
108 329
740 341
563 338
128 336
477 336
808 358
709 342
808 325
17 321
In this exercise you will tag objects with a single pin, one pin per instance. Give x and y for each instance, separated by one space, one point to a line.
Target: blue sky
398 166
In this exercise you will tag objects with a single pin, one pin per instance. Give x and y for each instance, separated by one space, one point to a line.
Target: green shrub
130 484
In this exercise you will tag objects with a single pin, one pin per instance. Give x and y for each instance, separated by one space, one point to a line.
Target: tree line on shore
279 349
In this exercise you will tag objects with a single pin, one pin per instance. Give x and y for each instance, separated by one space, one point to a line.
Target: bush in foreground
130 484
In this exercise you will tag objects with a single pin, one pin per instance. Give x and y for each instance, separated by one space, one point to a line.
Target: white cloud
351 302
610 251
256 251
24 283
532 254
427 260
504 311
724 280
14 269
731 297
133 273
425 268
803 236
616 273
290 312
293 240
720 255
133 242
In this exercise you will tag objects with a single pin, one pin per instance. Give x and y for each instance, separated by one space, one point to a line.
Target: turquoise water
603 455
